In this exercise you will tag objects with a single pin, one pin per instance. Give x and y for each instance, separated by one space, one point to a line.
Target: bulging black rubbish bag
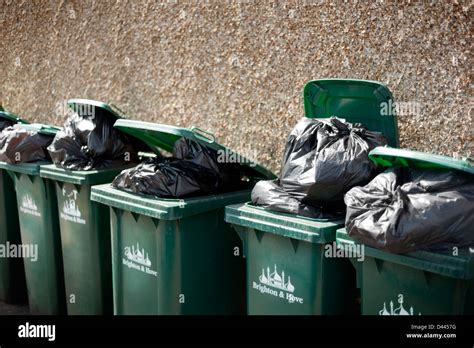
230 174
88 142
4 123
407 209
168 178
194 170
189 150
268 194
18 145
324 158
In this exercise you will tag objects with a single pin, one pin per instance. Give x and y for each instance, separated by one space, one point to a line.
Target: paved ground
9 309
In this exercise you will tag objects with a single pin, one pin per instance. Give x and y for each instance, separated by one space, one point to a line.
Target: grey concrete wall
237 68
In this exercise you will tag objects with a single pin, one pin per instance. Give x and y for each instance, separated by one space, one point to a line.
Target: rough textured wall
238 68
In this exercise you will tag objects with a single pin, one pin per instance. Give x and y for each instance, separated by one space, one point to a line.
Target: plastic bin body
172 256
417 283
85 238
12 272
289 271
39 226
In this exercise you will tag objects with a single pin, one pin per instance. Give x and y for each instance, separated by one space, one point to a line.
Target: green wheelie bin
420 282
84 227
175 256
289 271
12 273
39 226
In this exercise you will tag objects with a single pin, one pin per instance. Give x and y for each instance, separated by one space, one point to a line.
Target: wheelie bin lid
460 266
389 157
161 136
356 101
30 168
12 117
79 105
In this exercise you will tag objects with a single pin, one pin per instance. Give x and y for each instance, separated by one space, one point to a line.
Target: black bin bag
192 171
268 194
323 159
167 178
19 145
4 123
8 119
405 209
89 142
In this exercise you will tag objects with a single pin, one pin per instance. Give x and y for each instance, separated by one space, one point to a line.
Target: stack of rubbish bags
90 142
85 142
326 171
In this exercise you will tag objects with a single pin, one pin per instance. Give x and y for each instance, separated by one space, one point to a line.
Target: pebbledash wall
237 68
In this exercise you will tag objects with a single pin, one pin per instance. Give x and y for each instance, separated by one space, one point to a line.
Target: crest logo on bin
276 284
70 211
28 206
138 259
400 310
275 280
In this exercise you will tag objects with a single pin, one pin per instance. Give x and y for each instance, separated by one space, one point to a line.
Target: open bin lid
160 136
81 105
389 157
39 127
12 117
356 101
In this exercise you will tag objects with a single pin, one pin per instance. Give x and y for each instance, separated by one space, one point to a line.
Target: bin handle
120 111
208 137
